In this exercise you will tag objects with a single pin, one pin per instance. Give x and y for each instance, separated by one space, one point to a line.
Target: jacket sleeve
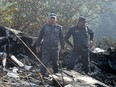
91 33
40 37
68 35
61 37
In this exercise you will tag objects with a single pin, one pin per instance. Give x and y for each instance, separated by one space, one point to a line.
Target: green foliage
29 15
6 13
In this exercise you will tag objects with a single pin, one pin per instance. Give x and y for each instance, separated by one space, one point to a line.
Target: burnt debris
18 65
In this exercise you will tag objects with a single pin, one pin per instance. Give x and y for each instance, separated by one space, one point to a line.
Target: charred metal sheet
84 80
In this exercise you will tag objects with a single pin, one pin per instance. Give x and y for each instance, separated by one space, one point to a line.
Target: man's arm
91 33
40 37
68 35
61 37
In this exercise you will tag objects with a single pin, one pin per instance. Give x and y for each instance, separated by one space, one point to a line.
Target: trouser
49 55
85 60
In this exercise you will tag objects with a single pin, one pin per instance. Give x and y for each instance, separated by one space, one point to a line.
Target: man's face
52 20
82 23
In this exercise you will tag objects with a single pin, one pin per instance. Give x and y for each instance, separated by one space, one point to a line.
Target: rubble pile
14 77
102 64
19 68
105 61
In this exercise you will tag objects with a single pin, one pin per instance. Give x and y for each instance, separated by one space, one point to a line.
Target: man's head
81 22
52 18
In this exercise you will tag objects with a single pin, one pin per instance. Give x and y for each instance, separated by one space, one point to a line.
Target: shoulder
89 30
45 25
72 28
58 26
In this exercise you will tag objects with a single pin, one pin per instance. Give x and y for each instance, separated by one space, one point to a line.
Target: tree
29 15
6 13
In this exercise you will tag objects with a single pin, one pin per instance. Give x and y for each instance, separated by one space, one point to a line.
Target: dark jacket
80 36
51 36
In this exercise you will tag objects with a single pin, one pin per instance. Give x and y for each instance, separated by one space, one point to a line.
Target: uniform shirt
80 36
52 36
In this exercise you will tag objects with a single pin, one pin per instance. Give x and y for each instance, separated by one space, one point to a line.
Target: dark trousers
49 55
84 54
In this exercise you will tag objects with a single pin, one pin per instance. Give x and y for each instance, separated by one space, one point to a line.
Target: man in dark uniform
52 39
81 35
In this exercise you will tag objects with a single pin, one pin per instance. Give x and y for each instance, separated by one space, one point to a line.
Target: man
81 36
52 39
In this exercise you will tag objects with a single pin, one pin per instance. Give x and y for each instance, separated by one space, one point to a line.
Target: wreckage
11 46
102 63
20 65
105 60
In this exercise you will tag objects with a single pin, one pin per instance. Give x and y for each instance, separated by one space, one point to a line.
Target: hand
62 51
91 45
38 49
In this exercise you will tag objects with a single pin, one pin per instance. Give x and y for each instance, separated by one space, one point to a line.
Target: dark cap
82 19
52 15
